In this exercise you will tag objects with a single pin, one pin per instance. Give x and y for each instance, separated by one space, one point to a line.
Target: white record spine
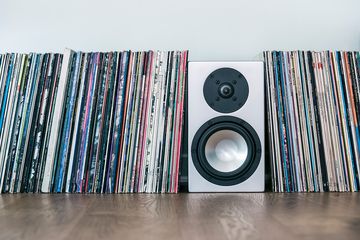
55 127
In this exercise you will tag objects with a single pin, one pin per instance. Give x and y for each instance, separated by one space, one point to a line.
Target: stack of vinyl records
313 113
91 122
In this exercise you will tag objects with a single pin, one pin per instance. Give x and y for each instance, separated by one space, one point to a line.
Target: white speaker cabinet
226 126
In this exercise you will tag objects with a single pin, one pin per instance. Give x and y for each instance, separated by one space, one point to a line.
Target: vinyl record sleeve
103 175
56 124
18 131
31 162
10 115
30 101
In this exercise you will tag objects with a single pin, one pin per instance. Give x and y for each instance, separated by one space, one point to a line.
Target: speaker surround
226 127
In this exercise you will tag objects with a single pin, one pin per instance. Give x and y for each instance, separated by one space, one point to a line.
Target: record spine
56 124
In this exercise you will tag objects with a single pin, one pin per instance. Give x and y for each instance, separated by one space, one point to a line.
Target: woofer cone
226 150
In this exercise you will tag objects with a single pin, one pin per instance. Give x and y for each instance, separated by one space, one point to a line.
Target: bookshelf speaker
226 127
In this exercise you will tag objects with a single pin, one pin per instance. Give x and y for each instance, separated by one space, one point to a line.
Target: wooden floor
180 216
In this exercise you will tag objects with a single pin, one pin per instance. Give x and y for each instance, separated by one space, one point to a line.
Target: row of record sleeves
313 113
91 122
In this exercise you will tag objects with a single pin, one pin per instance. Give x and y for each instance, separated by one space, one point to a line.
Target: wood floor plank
41 216
6 200
180 216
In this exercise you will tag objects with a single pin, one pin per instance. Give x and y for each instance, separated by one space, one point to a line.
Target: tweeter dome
226 126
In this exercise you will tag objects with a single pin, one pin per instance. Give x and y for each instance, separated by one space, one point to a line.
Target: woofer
226 150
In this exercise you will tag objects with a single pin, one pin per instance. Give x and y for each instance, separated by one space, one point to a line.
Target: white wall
211 30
